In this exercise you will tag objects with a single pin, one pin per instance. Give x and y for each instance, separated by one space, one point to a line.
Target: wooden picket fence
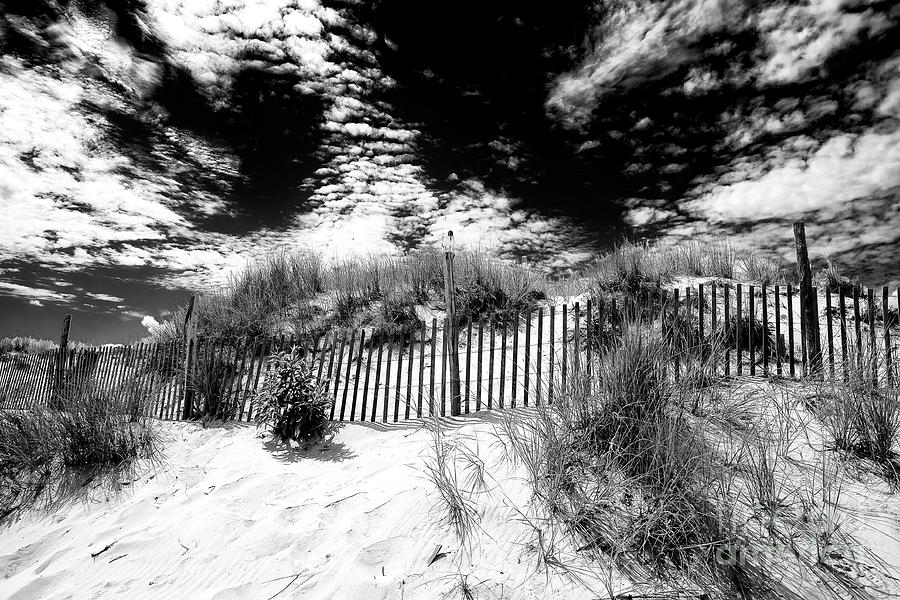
506 360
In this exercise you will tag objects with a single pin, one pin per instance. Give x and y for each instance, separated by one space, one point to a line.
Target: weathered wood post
453 328
809 314
190 348
59 379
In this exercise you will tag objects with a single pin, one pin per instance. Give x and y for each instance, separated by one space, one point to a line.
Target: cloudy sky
151 147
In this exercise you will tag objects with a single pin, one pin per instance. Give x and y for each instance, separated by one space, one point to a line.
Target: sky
151 148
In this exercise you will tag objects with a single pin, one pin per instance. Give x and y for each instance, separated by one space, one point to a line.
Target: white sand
226 517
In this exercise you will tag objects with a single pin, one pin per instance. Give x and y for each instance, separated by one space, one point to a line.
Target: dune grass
44 451
301 293
25 345
688 482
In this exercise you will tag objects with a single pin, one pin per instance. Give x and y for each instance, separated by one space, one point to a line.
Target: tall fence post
452 347
61 361
190 346
809 315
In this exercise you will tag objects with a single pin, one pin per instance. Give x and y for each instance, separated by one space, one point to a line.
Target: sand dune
225 515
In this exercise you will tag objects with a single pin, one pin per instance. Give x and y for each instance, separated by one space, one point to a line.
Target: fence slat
480 356
264 351
468 364
237 355
421 371
399 374
842 304
777 293
588 334
857 327
738 306
829 330
729 326
377 377
431 374
350 347
751 312
359 361
445 350
790 316
515 360
387 379
502 361
887 334
765 331
525 387
362 414
490 390
243 376
337 371
540 347
576 354
701 301
550 382
870 305
565 343
409 372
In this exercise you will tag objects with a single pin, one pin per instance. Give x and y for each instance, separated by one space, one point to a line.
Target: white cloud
841 170
150 323
30 293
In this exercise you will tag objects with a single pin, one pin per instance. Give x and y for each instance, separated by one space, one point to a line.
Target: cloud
31 293
150 323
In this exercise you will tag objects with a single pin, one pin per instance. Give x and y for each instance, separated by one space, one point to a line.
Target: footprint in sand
382 552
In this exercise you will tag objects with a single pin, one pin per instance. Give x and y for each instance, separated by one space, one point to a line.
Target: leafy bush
292 402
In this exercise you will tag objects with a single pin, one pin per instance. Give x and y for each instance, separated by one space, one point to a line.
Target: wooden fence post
190 347
61 361
807 301
452 347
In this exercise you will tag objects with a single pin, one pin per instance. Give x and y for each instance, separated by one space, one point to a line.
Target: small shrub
293 404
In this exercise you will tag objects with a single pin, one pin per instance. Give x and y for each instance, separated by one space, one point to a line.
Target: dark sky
148 148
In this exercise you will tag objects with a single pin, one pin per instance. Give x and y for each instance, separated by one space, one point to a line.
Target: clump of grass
24 345
396 315
631 268
832 279
91 431
486 285
861 412
702 259
761 269
456 505
626 461
875 313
